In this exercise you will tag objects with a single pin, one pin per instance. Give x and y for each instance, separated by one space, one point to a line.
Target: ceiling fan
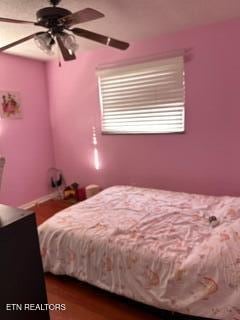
58 22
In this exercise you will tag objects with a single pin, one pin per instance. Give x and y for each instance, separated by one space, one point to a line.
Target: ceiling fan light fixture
70 42
45 42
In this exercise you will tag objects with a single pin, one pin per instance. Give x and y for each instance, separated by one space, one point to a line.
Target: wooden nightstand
47 209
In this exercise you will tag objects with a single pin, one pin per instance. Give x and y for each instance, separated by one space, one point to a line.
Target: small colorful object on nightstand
71 193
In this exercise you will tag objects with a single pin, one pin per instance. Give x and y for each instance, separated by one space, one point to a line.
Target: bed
153 246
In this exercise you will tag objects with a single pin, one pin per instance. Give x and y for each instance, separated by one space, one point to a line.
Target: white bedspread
153 246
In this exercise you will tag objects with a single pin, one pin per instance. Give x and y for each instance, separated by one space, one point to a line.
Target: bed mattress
153 246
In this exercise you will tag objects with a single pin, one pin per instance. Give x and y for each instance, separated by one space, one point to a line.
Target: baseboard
39 200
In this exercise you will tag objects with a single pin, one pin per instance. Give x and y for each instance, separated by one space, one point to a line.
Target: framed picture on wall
10 105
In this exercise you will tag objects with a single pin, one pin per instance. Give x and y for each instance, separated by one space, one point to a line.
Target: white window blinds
143 98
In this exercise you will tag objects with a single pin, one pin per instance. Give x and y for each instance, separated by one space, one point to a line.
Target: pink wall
26 143
206 159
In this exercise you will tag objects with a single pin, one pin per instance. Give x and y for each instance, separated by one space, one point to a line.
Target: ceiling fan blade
15 21
84 15
67 56
17 42
100 38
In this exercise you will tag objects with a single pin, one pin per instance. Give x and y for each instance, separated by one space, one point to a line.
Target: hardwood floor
90 303
84 301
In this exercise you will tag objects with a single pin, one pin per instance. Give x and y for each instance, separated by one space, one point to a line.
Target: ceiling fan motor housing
49 16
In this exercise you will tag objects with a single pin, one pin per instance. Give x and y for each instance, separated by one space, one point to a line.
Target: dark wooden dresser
22 286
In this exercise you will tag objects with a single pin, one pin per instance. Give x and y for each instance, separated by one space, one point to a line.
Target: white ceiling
126 20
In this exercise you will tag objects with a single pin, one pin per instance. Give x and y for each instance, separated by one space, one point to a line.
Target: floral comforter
153 246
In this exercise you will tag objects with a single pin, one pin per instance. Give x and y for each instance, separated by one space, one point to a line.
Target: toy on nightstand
71 193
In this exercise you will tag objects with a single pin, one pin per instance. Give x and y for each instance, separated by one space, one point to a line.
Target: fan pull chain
59 57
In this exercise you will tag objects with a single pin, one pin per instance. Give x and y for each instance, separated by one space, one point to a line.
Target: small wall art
10 106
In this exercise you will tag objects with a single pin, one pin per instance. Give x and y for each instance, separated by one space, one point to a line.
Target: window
143 97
